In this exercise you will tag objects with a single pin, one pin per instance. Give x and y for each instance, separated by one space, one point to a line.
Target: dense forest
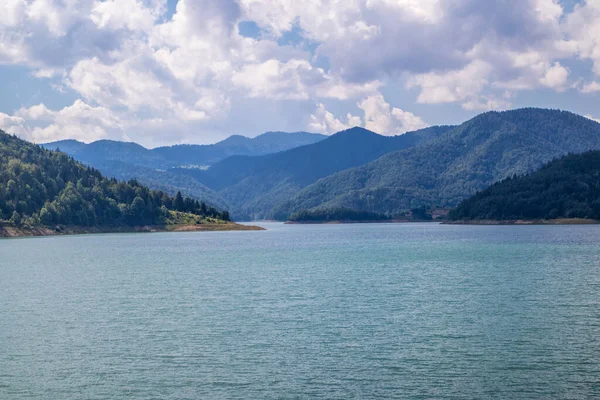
566 188
336 215
460 162
45 187
342 214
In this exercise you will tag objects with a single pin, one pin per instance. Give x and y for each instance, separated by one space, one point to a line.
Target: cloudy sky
196 71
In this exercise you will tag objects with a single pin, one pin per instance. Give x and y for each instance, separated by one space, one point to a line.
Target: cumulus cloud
378 116
324 121
382 118
12 124
583 29
591 87
79 121
192 70
556 77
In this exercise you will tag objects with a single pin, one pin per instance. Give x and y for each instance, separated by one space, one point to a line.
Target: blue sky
196 71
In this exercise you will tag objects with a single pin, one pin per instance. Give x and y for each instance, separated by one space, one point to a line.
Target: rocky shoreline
561 221
7 231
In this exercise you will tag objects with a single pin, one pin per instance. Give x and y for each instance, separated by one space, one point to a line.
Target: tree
178 204
137 210
15 219
46 217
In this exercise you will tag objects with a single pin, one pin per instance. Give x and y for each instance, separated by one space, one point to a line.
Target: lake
373 311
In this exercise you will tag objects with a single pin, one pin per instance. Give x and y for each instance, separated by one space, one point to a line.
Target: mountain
102 151
40 187
130 160
254 185
460 162
267 143
564 188
168 182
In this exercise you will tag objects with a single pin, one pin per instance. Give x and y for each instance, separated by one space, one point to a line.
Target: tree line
39 186
565 188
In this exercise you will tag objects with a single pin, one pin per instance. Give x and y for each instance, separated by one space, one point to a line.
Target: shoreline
388 221
25 231
560 221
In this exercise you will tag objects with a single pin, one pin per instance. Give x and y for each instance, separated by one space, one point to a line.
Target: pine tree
178 204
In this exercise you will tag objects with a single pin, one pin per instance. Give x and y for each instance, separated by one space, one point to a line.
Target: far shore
559 221
387 221
7 231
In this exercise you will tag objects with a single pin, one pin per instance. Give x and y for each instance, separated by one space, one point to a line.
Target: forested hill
460 162
565 188
148 166
45 187
254 185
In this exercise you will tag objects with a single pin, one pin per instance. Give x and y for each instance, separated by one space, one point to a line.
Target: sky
161 72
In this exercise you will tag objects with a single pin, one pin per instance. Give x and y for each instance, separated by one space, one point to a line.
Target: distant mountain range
354 169
183 155
125 160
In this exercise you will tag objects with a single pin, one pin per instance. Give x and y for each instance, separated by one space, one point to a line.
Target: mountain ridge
254 185
470 157
181 154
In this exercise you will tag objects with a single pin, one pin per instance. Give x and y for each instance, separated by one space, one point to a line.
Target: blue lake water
374 311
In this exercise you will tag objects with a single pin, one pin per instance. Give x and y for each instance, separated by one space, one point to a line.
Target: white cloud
194 70
556 77
378 116
591 87
79 121
583 29
324 121
464 85
277 80
128 83
124 14
12 124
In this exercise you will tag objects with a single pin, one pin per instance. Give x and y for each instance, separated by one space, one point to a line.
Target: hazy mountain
126 160
168 182
270 142
468 158
182 155
254 185
565 188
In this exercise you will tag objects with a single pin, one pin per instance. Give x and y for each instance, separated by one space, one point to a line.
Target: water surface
373 311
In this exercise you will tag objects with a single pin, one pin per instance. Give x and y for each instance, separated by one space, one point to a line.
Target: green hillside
40 187
462 161
253 186
127 161
565 188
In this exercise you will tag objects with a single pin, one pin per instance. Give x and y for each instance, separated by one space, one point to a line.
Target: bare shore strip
12 231
349 221
560 221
